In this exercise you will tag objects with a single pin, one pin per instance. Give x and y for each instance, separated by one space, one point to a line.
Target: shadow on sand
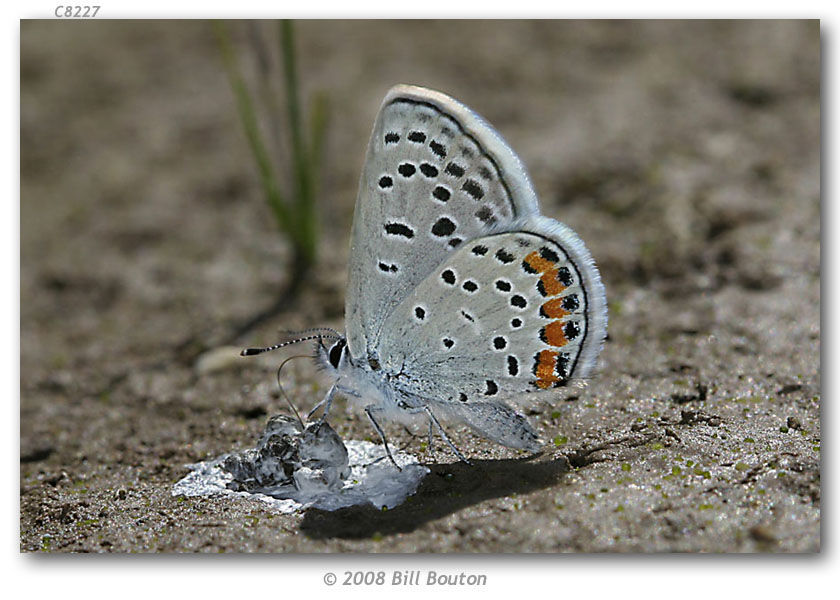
447 489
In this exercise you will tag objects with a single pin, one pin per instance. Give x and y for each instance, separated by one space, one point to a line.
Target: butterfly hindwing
506 314
435 177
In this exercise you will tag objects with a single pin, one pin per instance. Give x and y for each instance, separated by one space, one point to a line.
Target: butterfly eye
335 353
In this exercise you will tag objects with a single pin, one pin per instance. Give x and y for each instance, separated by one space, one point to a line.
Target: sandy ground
687 155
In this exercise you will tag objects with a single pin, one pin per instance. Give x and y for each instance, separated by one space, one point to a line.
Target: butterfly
461 296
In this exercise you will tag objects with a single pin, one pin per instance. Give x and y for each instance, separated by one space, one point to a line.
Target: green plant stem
306 232
248 117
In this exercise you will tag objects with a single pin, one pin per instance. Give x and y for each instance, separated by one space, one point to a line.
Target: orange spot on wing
549 274
546 363
554 309
538 263
551 283
554 334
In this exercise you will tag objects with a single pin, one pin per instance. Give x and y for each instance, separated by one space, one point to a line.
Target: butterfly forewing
435 177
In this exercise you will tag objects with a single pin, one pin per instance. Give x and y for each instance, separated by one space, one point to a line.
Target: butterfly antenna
318 336
329 330
283 391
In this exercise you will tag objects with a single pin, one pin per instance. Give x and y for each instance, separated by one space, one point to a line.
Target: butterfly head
332 352
330 346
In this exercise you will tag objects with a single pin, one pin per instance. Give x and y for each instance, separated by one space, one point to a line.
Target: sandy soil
687 155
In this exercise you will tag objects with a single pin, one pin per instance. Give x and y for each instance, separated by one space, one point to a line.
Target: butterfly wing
505 314
436 175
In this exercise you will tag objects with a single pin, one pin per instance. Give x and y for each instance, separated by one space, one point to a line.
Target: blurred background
685 154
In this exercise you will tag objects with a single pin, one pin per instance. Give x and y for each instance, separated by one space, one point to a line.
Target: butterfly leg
369 410
326 403
431 439
433 419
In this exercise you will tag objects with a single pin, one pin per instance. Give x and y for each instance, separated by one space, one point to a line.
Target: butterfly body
461 296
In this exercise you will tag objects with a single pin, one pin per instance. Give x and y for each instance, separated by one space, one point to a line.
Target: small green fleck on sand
749 440
676 470
87 522
251 520
625 467
560 440
656 446
742 466
619 508
706 506
376 537
783 429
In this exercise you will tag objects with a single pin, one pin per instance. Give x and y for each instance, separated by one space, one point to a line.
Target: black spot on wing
443 227
407 169
386 182
428 170
549 254
485 173
485 215
503 256
564 276
399 229
518 301
438 149
571 302
513 366
455 170
472 187
441 193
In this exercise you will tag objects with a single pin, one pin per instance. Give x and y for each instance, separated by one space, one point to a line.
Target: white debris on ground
294 468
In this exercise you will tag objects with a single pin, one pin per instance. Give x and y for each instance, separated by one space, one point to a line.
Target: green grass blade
248 117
